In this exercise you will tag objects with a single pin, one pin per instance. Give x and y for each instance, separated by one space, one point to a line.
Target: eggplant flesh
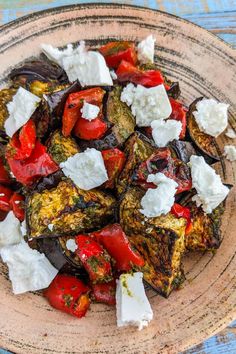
61 148
69 209
160 240
204 142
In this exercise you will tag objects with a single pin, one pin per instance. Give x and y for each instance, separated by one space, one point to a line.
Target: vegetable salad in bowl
106 178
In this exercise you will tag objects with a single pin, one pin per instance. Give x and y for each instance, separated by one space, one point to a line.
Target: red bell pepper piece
39 164
178 113
115 52
74 104
89 130
105 292
94 259
182 212
129 72
22 144
114 161
4 175
68 294
17 205
114 240
162 161
5 196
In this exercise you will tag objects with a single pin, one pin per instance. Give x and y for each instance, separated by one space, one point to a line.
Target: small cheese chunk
86 169
71 245
10 232
20 110
89 67
113 75
230 133
146 49
89 111
147 104
132 305
29 270
158 201
165 131
210 190
230 152
211 116
50 227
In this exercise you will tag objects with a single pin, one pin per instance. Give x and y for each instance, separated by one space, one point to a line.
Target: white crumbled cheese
230 152
132 305
113 75
29 270
89 67
164 131
10 232
210 190
20 109
230 133
17 202
23 228
86 169
211 116
71 245
50 227
89 111
158 201
147 104
146 49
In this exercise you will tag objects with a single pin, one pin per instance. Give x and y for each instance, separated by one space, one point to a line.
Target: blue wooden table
219 17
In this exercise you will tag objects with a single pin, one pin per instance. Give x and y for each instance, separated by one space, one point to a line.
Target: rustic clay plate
205 66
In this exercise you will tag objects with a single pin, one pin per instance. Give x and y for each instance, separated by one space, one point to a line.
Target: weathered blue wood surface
217 16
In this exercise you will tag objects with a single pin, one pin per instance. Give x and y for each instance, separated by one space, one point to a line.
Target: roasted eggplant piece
119 119
205 143
41 70
69 209
182 150
160 241
138 148
5 97
174 90
61 148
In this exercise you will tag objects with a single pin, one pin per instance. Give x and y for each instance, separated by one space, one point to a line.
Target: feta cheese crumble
211 116
230 133
89 111
71 245
86 169
113 75
29 270
23 228
20 109
158 201
89 67
132 305
146 49
147 104
10 232
230 152
165 131
50 227
210 190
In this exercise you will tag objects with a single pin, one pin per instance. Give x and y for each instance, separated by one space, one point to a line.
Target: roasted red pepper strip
105 292
89 130
115 52
129 72
5 196
95 260
182 212
17 205
39 164
178 113
114 240
4 175
22 144
114 161
68 294
74 104
162 161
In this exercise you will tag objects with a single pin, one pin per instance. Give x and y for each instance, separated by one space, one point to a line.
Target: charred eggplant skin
183 150
60 147
70 210
160 241
204 142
